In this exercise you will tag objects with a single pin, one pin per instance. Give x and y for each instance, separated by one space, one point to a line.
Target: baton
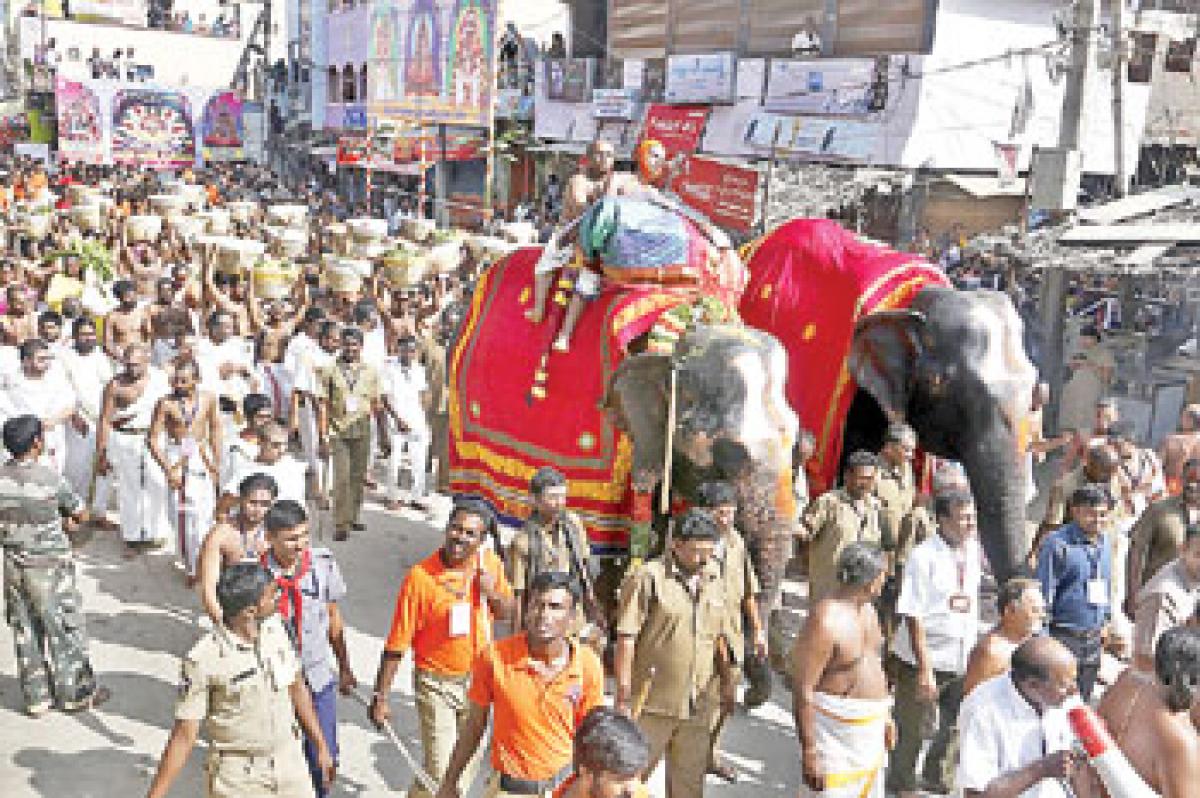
639 701
418 771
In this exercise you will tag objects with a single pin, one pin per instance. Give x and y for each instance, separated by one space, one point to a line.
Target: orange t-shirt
423 609
214 196
534 721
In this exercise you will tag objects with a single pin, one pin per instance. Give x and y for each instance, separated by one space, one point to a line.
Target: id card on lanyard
1097 587
960 601
462 611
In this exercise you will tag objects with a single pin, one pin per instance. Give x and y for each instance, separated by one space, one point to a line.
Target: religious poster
432 61
223 128
80 123
152 128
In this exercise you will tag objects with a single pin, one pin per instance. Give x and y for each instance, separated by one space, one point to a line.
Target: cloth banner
80 123
726 194
500 433
810 283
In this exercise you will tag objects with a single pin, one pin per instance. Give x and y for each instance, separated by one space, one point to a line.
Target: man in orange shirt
444 613
541 685
610 754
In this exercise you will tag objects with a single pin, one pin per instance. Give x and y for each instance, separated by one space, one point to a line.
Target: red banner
725 194
678 127
460 146
351 151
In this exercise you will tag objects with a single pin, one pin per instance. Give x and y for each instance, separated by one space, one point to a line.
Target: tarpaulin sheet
810 283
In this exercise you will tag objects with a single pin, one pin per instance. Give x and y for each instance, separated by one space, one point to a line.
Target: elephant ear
883 356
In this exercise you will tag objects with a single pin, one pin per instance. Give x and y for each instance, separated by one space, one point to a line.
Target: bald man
584 188
1014 737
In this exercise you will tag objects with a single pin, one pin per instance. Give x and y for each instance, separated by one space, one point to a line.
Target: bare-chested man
841 699
166 313
127 323
274 323
240 539
1151 716
19 321
191 459
1022 613
228 296
126 408
583 189
1180 447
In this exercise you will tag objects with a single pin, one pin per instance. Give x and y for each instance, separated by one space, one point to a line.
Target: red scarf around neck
291 598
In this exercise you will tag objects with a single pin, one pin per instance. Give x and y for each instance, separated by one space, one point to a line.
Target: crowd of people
232 427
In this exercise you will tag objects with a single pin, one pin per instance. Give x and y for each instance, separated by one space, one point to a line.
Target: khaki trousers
442 708
282 774
350 456
686 744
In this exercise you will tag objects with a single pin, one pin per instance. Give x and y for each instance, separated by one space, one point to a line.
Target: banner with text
678 127
724 193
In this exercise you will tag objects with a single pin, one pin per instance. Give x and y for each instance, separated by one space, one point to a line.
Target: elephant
874 335
953 367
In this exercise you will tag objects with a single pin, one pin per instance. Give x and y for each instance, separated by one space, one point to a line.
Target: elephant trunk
766 519
994 467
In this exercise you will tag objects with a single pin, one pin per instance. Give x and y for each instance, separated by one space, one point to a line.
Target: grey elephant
733 424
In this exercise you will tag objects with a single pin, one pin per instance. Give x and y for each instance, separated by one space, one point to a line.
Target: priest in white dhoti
125 418
88 370
404 386
38 390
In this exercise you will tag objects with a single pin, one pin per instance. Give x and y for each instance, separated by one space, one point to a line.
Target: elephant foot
759 677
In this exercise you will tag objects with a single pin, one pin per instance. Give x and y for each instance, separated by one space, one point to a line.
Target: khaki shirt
1168 600
553 553
434 355
741 581
1158 535
835 520
896 490
351 393
240 690
676 630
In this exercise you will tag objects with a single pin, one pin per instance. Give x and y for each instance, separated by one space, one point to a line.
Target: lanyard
350 384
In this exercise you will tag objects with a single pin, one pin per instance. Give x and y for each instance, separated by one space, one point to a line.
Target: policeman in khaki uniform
673 663
838 518
243 681
552 539
42 604
895 486
348 391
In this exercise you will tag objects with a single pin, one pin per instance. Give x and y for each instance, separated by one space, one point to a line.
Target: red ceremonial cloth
810 282
500 433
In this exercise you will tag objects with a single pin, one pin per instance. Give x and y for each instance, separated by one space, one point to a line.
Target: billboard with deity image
80 123
432 61
223 133
152 128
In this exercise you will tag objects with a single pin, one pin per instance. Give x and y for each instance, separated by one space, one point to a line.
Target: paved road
140 619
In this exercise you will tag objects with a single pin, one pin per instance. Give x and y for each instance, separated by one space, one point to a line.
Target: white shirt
403 386
46 397
288 474
88 374
299 349
375 347
211 356
940 588
999 732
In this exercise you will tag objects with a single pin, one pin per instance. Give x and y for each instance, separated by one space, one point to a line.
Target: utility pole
1120 178
1054 285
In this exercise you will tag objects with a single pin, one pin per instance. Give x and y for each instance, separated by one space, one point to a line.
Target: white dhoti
192 507
142 499
80 463
410 452
56 447
307 424
850 738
